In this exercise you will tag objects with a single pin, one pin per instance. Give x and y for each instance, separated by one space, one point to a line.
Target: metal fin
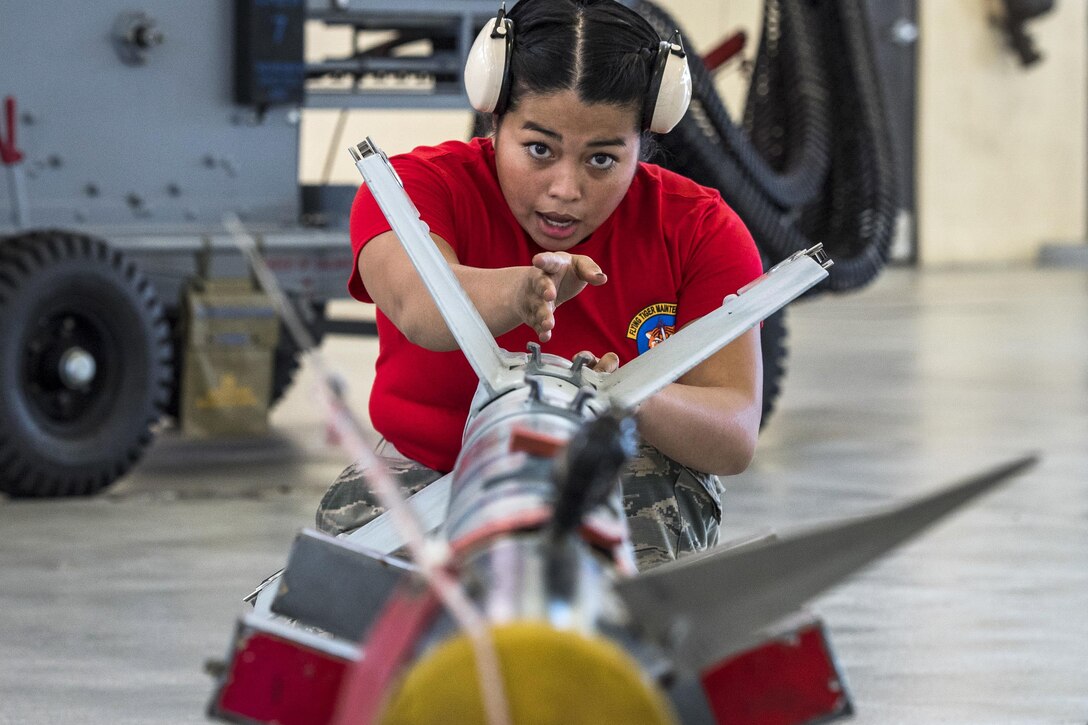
654 369
755 586
429 504
333 585
460 314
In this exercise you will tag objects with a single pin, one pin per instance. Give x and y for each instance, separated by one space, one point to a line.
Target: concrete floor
109 606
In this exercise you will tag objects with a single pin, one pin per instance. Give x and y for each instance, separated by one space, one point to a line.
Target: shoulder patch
652 325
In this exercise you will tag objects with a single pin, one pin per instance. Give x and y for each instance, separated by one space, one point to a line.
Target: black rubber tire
854 214
288 354
62 292
772 340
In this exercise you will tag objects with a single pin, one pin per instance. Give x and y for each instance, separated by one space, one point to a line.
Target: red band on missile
535 443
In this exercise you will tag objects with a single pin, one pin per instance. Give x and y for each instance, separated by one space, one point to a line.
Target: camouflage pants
671 510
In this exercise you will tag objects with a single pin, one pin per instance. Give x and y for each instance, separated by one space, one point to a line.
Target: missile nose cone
549 676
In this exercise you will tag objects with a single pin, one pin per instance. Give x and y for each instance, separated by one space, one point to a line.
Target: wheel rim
66 362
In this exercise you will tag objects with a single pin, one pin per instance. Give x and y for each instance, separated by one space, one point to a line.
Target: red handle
8 153
725 50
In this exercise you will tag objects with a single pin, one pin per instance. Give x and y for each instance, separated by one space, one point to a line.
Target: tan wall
1001 149
707 22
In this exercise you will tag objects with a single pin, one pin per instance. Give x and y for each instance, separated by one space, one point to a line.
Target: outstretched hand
554 278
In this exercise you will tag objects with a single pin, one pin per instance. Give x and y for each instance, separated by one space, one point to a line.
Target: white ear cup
674 93
488 64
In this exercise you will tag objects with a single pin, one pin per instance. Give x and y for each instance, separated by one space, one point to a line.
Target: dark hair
600 49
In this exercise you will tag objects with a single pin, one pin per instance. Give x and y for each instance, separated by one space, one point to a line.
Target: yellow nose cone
550 677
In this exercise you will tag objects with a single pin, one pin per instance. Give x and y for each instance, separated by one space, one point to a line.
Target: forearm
397 289
709 429
491 291
505 297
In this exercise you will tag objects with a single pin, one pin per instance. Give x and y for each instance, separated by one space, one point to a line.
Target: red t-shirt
672 251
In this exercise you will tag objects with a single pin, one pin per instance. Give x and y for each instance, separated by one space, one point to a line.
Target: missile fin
336 586
755 586
492 364
430 505
660 365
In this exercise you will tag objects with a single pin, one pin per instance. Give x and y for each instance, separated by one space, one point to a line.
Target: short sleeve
427 185
722 258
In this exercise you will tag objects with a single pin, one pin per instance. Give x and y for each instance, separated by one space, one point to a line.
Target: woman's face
564 165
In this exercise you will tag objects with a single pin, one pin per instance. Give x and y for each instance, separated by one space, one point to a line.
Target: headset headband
487 75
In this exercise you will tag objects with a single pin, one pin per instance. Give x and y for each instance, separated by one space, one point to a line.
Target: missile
520 601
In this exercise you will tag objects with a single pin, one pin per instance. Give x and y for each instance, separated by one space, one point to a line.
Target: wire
337 134
432 560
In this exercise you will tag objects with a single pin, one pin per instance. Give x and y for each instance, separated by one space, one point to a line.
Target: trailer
126 137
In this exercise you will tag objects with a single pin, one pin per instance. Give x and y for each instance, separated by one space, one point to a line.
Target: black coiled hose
813 163
795 175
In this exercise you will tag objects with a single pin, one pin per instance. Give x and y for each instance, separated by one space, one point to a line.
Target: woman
560 235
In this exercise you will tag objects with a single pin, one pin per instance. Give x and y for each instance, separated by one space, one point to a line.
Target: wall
1001 149
707 23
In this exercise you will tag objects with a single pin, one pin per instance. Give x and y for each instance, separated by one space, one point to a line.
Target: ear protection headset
487 76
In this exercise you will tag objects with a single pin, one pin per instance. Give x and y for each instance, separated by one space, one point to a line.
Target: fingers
553 284
585 269
545 289
544 326
539 315
536 303
588 271
552 262
607 363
